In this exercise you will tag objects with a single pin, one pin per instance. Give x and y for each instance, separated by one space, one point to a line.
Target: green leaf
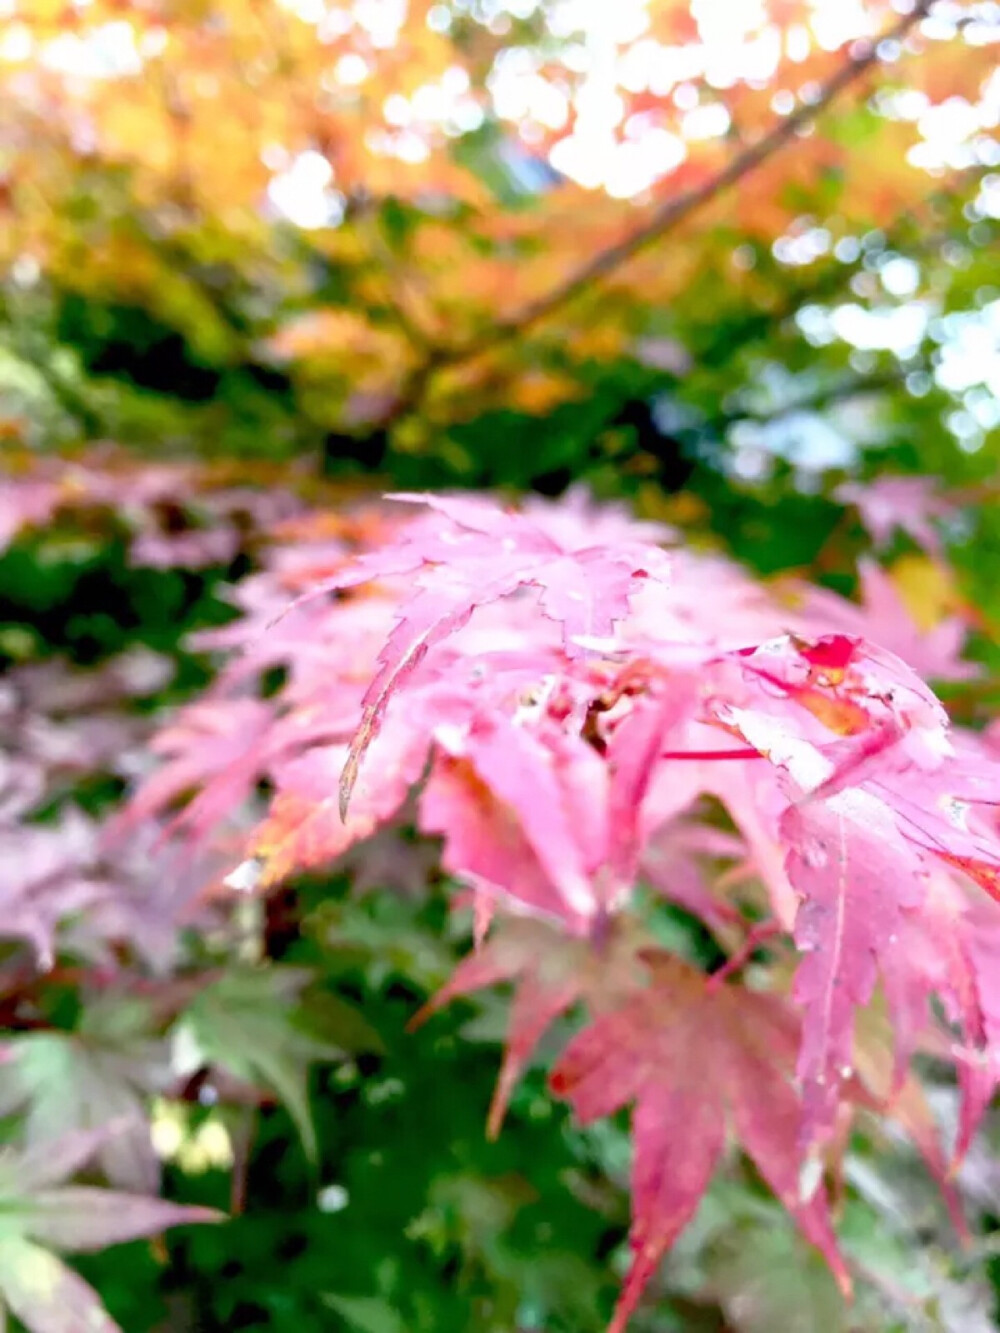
250 1023
767 1281
63 1082
328 1018
368 1314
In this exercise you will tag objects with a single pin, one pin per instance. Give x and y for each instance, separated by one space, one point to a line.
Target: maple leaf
542 994
857 873
250 1022
947 950
42 1214
304 830
861 843
49 873
99 1075
754 798
550 973
697 1062
940 813
481 555
885 618
674 863
634 754
908 503
520 788
544 820
57 886
852 688
211 751
486 847
852 868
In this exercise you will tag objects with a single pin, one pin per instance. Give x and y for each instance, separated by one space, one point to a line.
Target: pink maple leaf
480 555
545 821
908 503
884 618
858 879
697 1062
546 983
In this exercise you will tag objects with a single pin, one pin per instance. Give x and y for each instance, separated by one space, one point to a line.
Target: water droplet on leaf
810 1175
815 854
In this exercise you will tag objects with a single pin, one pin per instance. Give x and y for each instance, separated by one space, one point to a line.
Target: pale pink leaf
76 1218
45 1295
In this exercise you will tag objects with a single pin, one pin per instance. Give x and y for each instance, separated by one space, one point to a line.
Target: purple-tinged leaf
905 502
53 1161
78 1219
45 1295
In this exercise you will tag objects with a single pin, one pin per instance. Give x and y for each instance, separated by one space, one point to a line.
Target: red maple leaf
549 977
697 1062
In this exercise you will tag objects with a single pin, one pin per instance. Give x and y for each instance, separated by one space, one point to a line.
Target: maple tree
285 757
576 721
573 704
557 672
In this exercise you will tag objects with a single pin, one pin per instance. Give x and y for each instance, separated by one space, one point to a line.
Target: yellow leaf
927 588
683 509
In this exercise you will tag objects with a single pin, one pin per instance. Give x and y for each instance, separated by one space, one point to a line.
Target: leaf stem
712 754
758 935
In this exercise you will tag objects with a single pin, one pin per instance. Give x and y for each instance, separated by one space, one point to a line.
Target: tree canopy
389 229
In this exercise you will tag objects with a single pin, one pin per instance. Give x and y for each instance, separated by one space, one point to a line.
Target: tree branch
670 214
663 220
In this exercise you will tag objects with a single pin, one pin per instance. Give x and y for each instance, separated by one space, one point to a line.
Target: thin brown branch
667 217
670 214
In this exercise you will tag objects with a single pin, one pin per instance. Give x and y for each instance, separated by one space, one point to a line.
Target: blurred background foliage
210 257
